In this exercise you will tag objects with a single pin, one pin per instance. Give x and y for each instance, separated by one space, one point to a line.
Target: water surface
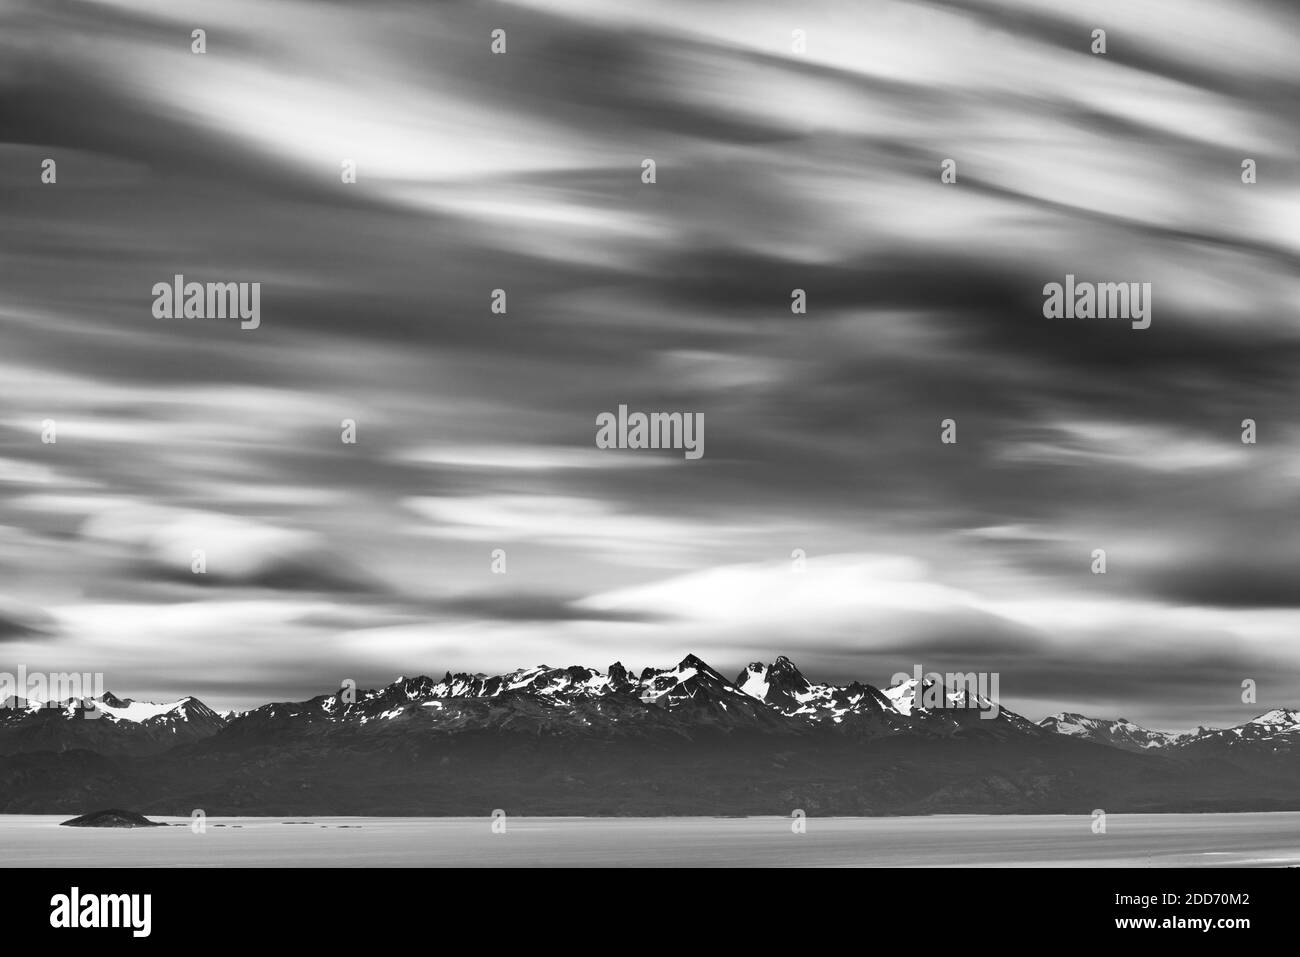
1131 840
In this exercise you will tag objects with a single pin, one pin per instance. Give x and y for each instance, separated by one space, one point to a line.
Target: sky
775 169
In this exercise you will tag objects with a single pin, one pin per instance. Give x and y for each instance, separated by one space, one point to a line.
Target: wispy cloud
776 170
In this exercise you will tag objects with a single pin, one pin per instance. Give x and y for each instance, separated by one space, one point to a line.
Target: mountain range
679 740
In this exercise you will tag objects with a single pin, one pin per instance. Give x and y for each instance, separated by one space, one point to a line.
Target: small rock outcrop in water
112 818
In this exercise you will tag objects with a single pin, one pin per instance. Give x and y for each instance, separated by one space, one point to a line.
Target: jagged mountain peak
698 664
779 683
1278 718
784 672
619 677
692 678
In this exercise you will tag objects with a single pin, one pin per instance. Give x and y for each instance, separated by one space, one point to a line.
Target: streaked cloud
775 171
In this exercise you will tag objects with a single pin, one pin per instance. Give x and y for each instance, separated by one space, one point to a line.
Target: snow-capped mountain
172 714
677 740
1274 732
784 687
1120 733
687 698
689 679
112 708
574 700
107 724
689 695
683 701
